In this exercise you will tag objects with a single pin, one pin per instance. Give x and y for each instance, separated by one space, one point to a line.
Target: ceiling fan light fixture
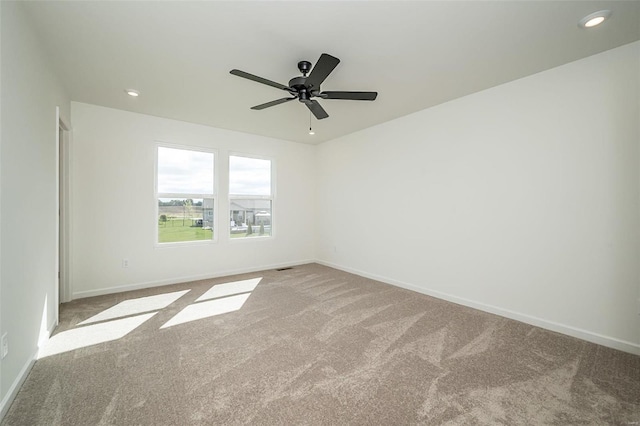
594 19
133 93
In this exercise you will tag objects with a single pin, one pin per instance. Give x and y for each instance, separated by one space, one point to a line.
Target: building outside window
250 197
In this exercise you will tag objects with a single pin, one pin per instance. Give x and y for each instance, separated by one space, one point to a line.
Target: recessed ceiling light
133 93
594 19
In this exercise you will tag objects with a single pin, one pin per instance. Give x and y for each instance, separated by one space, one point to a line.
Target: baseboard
589 336
22 376
16 385
178 280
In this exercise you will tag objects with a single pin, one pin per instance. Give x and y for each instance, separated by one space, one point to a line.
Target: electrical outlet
125 263
4 346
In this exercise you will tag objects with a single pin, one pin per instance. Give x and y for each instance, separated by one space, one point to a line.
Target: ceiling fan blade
354 96
321 70
259 79
272 103
317 109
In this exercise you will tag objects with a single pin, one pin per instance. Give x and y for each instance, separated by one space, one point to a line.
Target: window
185 195
250 197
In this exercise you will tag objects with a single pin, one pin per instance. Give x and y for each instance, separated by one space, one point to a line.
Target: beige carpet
312 345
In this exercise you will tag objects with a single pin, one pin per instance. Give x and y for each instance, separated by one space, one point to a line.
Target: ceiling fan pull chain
311 132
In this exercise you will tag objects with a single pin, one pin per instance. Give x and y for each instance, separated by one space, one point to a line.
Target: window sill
263 238
185 244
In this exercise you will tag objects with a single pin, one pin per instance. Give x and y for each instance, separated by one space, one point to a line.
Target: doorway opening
62 291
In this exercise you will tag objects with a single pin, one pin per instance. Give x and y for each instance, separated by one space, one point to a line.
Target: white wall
523 199
113 205
30 94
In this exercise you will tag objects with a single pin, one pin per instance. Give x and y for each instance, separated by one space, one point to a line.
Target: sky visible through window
182 171
249 176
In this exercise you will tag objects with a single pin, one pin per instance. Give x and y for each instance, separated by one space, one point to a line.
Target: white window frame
271 197
214 196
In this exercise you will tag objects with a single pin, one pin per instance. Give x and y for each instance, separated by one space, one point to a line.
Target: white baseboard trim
178 280
589 336
16 385
22 376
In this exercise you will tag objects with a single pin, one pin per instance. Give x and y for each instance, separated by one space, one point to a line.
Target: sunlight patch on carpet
92 335
136 306
227 289
208 309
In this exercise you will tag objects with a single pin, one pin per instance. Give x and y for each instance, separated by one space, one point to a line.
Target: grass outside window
179 230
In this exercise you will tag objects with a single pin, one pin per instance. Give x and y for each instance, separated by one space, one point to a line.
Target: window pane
249 176
185 219
250 218
182 171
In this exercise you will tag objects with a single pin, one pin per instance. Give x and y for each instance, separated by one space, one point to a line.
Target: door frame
63 136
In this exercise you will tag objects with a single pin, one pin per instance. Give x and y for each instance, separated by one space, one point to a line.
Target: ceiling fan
305 88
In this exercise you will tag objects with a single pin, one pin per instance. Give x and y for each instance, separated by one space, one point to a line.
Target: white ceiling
415 54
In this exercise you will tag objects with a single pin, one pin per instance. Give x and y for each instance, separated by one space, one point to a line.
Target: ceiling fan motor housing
299 85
